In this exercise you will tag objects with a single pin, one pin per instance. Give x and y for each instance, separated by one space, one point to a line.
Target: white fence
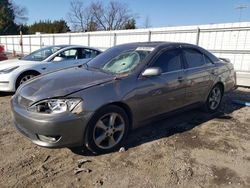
229 40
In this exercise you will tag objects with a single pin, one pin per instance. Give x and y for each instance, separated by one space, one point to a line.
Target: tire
25 77
214 99
107 130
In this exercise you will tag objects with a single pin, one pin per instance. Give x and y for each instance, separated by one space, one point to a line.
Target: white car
15 72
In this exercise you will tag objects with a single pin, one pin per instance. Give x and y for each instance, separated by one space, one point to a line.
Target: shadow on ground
179 122
5 94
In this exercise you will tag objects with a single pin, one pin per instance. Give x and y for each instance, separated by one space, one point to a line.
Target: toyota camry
98 103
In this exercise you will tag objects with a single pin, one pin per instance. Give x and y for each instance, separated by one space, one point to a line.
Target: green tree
130 24
48 26
7 18
60 26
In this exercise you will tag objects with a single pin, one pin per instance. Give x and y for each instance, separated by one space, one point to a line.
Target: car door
64 59
166 92
199 74
71 57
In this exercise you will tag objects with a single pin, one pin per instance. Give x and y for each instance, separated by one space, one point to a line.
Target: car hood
62 83
14 62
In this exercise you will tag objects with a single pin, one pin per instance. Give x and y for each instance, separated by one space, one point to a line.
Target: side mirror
57 58
225 60
153 71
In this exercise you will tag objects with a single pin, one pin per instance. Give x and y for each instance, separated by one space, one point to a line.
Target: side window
169 61
194 58
70 54
88 53
207 60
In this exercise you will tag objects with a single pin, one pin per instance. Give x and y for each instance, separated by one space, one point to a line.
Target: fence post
30 43
88 39
40 41
13 43
6 47
198 36
53 39
114 39
69 39
149 36
21 42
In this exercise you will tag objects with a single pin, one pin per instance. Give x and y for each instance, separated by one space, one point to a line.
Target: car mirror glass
153 71
57 58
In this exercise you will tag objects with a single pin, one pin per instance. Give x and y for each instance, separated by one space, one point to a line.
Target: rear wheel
107 130
214 99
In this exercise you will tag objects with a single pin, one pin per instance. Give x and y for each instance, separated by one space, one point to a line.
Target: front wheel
214 99
107 130
24 78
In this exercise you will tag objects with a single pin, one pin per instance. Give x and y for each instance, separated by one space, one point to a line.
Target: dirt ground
191 149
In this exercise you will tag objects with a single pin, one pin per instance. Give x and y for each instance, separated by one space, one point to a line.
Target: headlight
55 106
8 70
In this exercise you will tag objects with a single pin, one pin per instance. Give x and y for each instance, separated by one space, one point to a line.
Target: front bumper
67 129
6 83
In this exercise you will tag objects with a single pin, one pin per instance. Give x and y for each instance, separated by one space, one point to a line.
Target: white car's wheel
25 77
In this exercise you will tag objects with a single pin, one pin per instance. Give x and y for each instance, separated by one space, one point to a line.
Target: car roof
155 44
72 46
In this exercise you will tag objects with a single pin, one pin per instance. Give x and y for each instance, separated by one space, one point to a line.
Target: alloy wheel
214 98
109 130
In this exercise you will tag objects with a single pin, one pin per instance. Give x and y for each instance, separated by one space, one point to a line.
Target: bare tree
80 17
20 14
114 16
98 16
147 22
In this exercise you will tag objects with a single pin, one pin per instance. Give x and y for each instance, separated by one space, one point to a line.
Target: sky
161 13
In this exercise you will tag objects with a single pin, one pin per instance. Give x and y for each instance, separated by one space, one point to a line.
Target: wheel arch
121 105
25 72
221 85
127 109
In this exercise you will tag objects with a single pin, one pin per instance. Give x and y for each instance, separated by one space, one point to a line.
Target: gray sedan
97 104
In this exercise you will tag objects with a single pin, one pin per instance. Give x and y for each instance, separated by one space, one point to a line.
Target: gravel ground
191 149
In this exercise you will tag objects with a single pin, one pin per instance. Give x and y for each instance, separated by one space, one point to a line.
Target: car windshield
120 60
41 54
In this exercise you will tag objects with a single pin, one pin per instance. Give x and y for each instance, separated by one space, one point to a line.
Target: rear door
199 74
166 92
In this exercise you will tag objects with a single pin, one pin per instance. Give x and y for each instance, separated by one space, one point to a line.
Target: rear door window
70 54
169 61
207 60
194 58
88 53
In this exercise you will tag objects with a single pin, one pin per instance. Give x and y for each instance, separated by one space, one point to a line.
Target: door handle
180 79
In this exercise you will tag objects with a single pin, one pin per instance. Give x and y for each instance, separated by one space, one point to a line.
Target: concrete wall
229 40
